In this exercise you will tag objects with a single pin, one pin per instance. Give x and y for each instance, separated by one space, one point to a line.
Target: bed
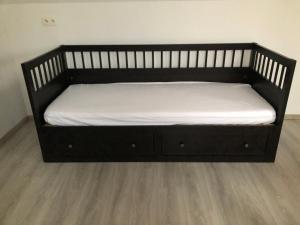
195 102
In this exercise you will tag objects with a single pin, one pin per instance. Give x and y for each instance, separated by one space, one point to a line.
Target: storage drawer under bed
215 141
153 143
93 141
72 142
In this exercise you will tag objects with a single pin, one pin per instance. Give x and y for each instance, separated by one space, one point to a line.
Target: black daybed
159 102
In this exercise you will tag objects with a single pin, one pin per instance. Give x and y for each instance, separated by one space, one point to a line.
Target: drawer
93 141
68 142
129 144
214 142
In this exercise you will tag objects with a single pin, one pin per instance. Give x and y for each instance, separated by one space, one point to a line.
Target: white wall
273 23
12 107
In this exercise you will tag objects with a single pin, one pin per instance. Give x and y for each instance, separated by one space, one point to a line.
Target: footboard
45 78
272 78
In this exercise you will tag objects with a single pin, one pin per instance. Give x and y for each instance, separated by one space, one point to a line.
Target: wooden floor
35 193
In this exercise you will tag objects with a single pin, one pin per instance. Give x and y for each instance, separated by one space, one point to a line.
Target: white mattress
159 103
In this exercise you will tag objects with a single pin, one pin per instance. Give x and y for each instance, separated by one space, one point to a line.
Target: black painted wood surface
269 73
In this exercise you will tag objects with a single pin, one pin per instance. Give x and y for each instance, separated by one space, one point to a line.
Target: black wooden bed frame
269 73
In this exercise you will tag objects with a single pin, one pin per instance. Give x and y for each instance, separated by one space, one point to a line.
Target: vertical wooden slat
255 60
276 73
161 59
267 67
56 65
92 60
38 78
45 72
49 70
74 60
109 60
42 79
197 59
126 58
35 79
179 59
271 71
170 59
242 58
144 59
188 59
283 68
52 66
233 56
59 63
100 59
263 65
205 63
215 58
258 62
135 61
224 58
152 59
118 60
82 58
32 79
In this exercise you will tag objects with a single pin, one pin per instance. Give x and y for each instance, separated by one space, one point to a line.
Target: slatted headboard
157 56
135 63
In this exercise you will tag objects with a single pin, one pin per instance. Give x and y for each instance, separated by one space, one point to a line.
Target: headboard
142 63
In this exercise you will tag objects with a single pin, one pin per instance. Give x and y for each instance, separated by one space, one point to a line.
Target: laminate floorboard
36 193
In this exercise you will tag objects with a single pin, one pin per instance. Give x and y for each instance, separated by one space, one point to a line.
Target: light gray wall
12 107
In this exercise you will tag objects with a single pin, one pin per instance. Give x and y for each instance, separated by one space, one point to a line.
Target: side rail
273 77
44 78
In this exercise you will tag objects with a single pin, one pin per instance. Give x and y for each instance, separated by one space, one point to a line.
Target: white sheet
159 103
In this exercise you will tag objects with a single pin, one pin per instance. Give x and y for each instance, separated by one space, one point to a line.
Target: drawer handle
182 145
133 145
70 146
246 145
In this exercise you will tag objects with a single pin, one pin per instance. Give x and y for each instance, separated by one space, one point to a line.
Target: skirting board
14 129
292 117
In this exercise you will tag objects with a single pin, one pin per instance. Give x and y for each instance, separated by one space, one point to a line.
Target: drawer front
93 141
199 142
129 144
69 142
